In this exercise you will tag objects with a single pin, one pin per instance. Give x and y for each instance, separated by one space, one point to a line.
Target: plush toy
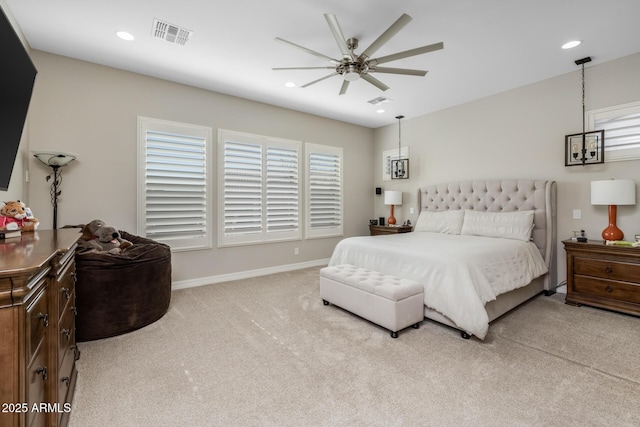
104 238
16 216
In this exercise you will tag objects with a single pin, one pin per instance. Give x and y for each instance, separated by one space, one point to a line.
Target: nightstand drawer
606 269
623 291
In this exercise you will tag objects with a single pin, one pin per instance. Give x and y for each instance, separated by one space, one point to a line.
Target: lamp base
392 219
612 232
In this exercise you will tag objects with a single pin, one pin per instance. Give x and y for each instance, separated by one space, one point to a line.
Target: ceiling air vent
171 33
379 101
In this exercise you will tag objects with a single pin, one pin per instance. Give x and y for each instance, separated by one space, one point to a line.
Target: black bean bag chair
119 293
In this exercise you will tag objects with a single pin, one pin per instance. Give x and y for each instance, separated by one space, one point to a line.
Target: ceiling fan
352 66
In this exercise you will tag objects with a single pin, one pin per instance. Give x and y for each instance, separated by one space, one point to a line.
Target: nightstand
377 230
603 276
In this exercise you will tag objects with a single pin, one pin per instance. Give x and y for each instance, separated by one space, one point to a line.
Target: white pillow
507 225
448 222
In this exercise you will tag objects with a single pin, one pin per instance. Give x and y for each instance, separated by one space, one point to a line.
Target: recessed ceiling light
571 44
290 84
380 111
125 35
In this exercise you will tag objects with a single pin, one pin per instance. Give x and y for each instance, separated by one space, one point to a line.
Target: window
173 202
324 191
621 126
259 189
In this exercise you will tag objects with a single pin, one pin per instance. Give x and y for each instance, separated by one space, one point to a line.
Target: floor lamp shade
392 198
613 192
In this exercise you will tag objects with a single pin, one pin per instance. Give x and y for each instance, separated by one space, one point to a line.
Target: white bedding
460 273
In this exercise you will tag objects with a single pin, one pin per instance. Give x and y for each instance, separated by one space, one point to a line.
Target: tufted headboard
502 196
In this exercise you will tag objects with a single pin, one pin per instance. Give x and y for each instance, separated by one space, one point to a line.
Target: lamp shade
51 158
613 192
393 198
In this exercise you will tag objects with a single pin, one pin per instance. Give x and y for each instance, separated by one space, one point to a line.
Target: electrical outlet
410 211
296 251
577 214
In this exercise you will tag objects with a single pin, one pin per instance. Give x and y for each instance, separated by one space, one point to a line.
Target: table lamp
392 198
613 192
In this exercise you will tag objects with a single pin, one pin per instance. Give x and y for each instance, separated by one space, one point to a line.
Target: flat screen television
17 76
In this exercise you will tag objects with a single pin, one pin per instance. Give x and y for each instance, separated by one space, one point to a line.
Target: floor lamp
55 160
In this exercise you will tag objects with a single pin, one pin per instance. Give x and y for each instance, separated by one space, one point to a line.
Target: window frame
263 235
188 241
620 153
322 232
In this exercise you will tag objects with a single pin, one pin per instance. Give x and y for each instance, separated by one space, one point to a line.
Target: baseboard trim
193 283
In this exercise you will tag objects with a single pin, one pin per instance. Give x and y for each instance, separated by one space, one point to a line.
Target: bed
479 248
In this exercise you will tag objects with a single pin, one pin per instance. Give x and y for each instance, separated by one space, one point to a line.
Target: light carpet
266 352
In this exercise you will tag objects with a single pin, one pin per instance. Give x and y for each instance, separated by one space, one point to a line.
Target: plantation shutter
175 208
324 188
621 125
282 189
260 189
242 188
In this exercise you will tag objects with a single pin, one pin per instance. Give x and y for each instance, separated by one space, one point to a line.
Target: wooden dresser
603 276
37 328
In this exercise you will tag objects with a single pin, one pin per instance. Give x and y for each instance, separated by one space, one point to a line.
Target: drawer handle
66 380
609 270
76 352
42 371
75 276
609 288
74 309
66 333
66 292
45 319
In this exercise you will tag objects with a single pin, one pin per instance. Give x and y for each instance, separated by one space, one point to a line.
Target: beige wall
519 134
92 110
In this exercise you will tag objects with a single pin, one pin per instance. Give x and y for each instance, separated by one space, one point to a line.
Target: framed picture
388 156
584 148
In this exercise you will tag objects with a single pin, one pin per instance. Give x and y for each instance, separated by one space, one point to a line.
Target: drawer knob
66 333
74 309
43 372
609 288
45 319
66 380
609 270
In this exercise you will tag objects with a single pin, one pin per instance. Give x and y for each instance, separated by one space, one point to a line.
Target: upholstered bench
389 301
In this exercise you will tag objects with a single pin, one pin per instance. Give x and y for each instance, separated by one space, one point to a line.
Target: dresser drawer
614 270
624 291
37 377
38 322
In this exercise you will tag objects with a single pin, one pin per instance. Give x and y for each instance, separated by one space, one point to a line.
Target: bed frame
502 196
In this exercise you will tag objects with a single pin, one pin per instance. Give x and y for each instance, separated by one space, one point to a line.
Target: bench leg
394 334
465 335
416 325
325 302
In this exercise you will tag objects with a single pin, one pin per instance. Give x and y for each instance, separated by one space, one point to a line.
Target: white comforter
460 273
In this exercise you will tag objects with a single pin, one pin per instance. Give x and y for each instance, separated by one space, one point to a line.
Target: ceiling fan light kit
352 66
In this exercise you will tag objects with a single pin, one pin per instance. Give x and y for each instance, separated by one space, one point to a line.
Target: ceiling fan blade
386 36
405 71
345 86
338 35
319 80
303 68
407 53
312 52
377 83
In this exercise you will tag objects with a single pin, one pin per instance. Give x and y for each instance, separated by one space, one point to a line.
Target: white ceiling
489 45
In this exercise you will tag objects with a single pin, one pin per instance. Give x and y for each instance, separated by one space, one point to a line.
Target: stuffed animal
16 216
104 238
